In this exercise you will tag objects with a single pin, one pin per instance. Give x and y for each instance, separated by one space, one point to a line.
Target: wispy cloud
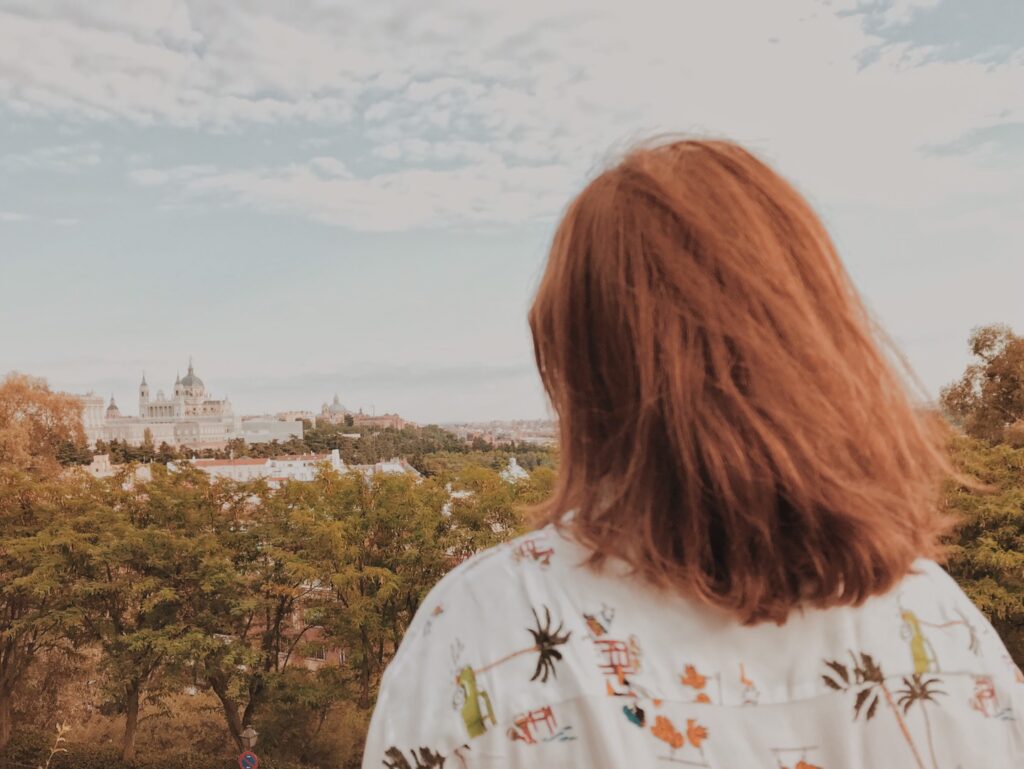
155 177
65 158
11 217
323 190
503 130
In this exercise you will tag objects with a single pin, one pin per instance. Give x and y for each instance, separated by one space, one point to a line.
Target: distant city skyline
254 397
358 197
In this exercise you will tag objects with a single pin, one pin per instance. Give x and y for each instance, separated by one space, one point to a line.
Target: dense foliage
987 553
429 449
987 550
181 593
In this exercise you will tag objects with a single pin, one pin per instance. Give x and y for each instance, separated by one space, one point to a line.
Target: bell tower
143 395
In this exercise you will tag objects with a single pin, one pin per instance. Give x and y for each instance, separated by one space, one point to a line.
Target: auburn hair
729 426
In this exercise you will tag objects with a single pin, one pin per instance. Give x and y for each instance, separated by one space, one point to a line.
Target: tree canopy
987 402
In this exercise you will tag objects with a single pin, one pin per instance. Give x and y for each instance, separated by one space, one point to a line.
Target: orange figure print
783 757
537 726
696 735
667 733
751 694
620 659
693 679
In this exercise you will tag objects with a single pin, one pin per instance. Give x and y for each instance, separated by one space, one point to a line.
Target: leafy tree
381 543
298 704
490 513
147 451
245 605
987 552
35 424
988 400
166 453
71 453
126 553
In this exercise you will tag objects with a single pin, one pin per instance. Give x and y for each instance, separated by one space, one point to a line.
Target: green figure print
474 717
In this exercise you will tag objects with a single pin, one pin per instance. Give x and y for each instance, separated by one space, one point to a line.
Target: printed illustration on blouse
796 758
751 694
922 652
423 758
869 684
436 612
537 726
683 748
618 658
706 688
474 703
987 701
534 549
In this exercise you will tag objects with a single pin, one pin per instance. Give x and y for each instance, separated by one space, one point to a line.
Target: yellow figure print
920 648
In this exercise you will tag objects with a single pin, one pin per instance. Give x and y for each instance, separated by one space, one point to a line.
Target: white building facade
189 417
302 467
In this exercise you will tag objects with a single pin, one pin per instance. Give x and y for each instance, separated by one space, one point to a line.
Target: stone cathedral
189 417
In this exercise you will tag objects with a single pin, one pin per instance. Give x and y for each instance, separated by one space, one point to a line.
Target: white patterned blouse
521 657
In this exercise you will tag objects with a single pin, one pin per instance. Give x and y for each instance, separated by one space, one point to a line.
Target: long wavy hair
729 426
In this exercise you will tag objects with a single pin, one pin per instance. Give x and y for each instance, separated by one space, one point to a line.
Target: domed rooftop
112 409
190 379
337 407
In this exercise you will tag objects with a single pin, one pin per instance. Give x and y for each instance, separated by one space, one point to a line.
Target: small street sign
248 760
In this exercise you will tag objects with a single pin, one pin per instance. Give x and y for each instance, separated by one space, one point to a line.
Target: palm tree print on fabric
920 690
868 681
546 642
475 703
424 758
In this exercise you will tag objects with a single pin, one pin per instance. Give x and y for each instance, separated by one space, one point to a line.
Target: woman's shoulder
492 628
492 584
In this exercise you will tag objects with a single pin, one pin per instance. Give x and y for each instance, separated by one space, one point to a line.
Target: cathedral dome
191 380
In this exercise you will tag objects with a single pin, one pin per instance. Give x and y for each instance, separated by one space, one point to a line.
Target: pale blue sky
313 197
